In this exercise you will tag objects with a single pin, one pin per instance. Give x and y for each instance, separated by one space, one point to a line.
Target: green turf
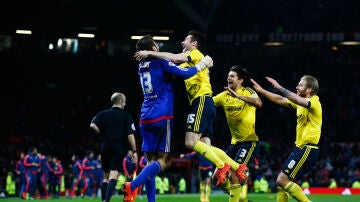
213 198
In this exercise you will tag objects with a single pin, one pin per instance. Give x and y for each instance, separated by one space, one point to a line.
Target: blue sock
149 172
150 189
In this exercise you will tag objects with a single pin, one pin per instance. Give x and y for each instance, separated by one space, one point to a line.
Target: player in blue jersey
157 110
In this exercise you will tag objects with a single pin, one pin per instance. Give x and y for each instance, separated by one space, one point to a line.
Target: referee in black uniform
114 126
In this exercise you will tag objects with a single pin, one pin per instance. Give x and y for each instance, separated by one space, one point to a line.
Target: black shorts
112 154
243 152
300 161
202 115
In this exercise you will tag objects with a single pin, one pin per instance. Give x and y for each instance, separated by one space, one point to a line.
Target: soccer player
115 127
205 172
303 156
202 109
44 176
77 172
239 103
156 119
32 164
129 166
20 173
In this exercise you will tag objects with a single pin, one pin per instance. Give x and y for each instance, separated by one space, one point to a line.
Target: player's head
33 150
118 99
308 85
241 76
194 40
147 43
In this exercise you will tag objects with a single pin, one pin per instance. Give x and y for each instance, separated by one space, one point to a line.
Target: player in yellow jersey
239 103
308 130
199 126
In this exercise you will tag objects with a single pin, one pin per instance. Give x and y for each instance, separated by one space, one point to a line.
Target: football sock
110 189
206 151
296 192
103 190
282 196
150 189
207 192
235 192
202 191
149 172
222 155
243 194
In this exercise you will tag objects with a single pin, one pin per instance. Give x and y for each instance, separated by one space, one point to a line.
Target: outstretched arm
295 98
176 58
275 98
254 101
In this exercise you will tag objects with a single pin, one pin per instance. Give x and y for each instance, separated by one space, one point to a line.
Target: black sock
103 190
110 189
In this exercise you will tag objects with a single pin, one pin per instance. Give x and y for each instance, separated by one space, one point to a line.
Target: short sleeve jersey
199 84
309 121
239 114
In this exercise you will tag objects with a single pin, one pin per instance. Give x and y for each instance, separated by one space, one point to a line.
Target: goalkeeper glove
205 62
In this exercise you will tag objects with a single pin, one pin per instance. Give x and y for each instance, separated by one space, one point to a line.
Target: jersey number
191 118
145 79
291 164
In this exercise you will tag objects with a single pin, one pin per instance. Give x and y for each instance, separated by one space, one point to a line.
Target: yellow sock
207 192
243 194
235 193
226 186
282 195
202 192
296 192
221 154
206 151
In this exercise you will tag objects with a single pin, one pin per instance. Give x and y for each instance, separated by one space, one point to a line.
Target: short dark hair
242 73
145 43
199 37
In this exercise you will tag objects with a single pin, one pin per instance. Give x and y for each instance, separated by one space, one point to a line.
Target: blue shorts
202 115
243 152
156 137
300 161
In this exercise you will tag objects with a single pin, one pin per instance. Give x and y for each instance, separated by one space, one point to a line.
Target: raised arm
275 98
254 101
295 98
176 58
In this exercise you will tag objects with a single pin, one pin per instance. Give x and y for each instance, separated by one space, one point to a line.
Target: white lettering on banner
335 36
247 38
287 37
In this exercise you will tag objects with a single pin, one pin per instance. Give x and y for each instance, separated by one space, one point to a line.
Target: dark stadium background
49 96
